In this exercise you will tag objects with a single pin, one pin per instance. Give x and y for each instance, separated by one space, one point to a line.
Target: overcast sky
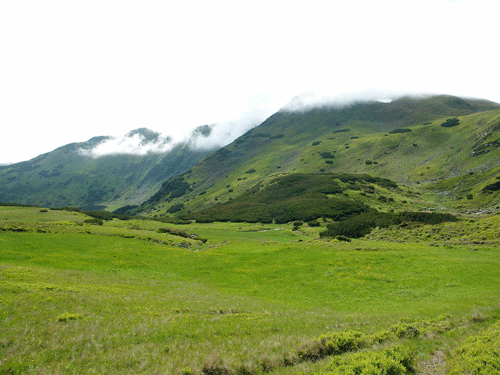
71 70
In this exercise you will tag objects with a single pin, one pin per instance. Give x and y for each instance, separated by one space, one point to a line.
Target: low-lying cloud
144 141
307 101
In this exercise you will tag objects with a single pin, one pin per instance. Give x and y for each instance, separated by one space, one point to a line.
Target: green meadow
126 297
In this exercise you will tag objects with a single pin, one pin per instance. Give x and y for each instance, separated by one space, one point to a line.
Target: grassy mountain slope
66 177
403 141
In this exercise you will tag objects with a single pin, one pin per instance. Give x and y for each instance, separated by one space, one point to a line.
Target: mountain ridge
373 138
71 175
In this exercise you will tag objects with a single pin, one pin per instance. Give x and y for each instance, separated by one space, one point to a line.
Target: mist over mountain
145 141
413 140
103 172
375 136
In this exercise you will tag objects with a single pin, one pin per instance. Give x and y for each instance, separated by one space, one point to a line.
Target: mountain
75 175
440 150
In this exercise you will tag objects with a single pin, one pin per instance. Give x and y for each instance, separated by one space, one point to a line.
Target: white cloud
73 70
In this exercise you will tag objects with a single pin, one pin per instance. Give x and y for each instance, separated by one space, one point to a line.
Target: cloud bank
144 141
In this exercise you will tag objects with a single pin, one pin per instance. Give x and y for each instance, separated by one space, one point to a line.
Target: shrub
327 155
175 208
314 223
44 210
251 171
400 130
173 188
405 330
94 221
363 224
393 361
479 355
450 123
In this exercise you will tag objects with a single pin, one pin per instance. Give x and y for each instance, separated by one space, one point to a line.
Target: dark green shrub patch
341 131
492 187
251 171
4 204
314 223
288 198
93 221
327 155
175 208
316 143
384 182
363 224
125 210
450 123
297 196
400 130
173 188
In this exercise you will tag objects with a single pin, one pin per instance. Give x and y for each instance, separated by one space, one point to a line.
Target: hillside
415 142
71 176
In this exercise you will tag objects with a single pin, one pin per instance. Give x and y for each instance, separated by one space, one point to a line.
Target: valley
144 296
361 239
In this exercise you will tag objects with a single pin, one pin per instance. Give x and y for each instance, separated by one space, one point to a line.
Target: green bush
326 155
289 198
175 208
393 361
450 123
400 130
361 225
94 221
479 355
405 330
314 223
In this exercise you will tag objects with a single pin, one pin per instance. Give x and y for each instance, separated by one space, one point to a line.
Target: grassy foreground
126 298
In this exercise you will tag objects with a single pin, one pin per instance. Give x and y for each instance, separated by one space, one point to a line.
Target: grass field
124 298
